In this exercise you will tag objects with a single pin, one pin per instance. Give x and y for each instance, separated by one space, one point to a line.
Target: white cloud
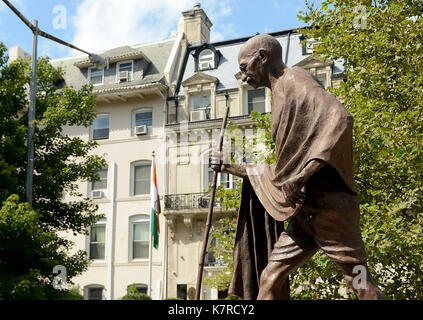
104 24
17 3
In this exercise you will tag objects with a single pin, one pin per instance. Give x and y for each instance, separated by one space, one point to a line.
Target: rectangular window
96 76
101 127
142 177
322 79
95 293
256 100
102 184
125 67
140 242
201 103
210 259
97 242
144 118
224 179
181 291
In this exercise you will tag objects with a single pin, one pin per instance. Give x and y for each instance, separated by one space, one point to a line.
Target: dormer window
96 76
308 45
206 60
125 71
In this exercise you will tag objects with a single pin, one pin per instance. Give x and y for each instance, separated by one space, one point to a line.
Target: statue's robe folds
307 124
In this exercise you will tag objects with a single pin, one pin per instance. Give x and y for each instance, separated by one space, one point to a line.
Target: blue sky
95 25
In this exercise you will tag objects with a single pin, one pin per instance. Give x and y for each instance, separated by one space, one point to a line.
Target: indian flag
155 207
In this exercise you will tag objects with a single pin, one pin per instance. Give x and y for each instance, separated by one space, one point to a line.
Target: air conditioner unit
198 115
205 65
96 194
141 130
123 76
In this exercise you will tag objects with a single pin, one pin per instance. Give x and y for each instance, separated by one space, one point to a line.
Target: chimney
196 25
16 53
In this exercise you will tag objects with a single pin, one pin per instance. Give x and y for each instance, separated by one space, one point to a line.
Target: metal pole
211 205
31 116
150 261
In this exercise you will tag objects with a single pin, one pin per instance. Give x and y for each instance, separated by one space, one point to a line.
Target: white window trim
133 164
131 74
94 286
212 62
89 76
134 112
133 220
266 102
200 94
206 170
136 284
88 241
105 191
92 127
323 75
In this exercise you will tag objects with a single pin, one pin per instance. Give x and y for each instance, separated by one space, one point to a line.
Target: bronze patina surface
311 184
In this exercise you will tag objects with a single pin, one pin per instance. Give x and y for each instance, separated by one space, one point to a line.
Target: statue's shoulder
298 77
298 72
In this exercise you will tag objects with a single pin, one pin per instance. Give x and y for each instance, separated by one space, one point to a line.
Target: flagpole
150 261
150 266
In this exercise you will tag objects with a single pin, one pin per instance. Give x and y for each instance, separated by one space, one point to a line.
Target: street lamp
33 88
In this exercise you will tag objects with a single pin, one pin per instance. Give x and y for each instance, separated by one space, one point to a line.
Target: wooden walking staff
211 205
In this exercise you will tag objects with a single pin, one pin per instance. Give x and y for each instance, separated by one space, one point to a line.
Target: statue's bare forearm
236 170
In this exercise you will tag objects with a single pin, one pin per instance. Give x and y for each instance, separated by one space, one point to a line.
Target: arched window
141 287
139 237
206 60
93 292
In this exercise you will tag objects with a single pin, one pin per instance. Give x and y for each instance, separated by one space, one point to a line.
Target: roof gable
199 78
312 61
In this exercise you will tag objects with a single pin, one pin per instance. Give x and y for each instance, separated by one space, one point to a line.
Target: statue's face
251 67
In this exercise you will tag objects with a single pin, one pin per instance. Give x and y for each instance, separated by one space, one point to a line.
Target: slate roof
228 64
156 53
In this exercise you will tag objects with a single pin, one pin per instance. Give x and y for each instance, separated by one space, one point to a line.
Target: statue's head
257 57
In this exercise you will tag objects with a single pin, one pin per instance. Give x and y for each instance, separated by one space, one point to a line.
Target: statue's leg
359 279
336 230
293 248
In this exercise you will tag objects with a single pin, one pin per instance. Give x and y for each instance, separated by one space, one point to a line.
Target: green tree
224 230
60 161
133 294
380 45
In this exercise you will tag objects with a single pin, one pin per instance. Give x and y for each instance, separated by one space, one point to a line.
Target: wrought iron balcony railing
188 201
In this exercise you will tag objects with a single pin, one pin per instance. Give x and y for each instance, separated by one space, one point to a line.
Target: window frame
137 219
247 89
142 110
105 191
138 285
101 222
207 169
89 76
322 77
212 64
100 115
131 75
133 165
93 286
209 108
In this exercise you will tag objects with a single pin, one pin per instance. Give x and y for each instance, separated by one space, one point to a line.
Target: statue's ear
263 54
